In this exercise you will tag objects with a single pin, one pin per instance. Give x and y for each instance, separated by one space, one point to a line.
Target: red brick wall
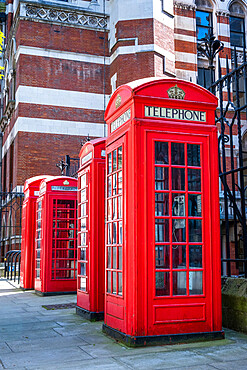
39 153
65 38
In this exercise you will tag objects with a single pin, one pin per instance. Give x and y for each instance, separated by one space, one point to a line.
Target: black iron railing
231 89
12 265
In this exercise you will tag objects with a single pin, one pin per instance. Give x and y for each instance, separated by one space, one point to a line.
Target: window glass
161 178
237 32
179 256
195 282
161 152
179 282
161 204
203 24
162 253
162 283
193 155
177 153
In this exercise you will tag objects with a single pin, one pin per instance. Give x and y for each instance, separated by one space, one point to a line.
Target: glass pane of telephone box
195 282
161 204
178 204
162 282
179 230
195 230
179 256
178 179
109 163
177 153
120 157
114 257
83 181
120 258
161 178
114 162
109 281
161 230
195 256
179 282
83 283
109 193
120 182
193 155
162 256
114 282
109 237
194 205
161 153
194 179
120 284
109 209
109 257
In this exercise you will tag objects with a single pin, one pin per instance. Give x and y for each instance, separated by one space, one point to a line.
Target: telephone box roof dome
57 178
91 144
35 181
157 88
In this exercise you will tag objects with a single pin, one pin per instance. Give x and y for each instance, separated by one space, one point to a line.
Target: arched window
237 26
204 19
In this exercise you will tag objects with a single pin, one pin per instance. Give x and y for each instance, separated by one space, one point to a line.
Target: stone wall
234 304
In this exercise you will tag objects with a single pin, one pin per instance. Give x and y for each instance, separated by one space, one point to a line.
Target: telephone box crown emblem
66 182
175 92
118 101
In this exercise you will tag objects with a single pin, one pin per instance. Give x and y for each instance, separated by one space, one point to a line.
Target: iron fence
231 89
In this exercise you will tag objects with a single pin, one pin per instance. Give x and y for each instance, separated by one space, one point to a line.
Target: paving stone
4 348
27 345
227 353
74 329
98 338
108 363
230 365
164 360
20 335
106 350
44 357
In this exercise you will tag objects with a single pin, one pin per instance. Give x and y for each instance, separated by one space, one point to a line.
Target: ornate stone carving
64 16
240 57
184 6
222 13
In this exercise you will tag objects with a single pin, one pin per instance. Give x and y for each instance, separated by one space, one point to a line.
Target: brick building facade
63 59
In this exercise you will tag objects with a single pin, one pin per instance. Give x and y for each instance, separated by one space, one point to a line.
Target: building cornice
180 5
63 15
222 13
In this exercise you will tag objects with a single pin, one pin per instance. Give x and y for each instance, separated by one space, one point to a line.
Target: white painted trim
49 126
58 54
9 8
187 38
185 57
60 98
133 49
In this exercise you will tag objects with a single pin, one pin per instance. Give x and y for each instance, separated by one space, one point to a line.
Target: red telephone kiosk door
163 280
31 193
56 236
91 230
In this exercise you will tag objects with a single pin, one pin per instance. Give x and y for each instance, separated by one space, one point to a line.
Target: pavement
33 337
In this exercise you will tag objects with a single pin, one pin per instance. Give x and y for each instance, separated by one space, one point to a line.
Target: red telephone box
91 230
56 236
31 193
163 280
